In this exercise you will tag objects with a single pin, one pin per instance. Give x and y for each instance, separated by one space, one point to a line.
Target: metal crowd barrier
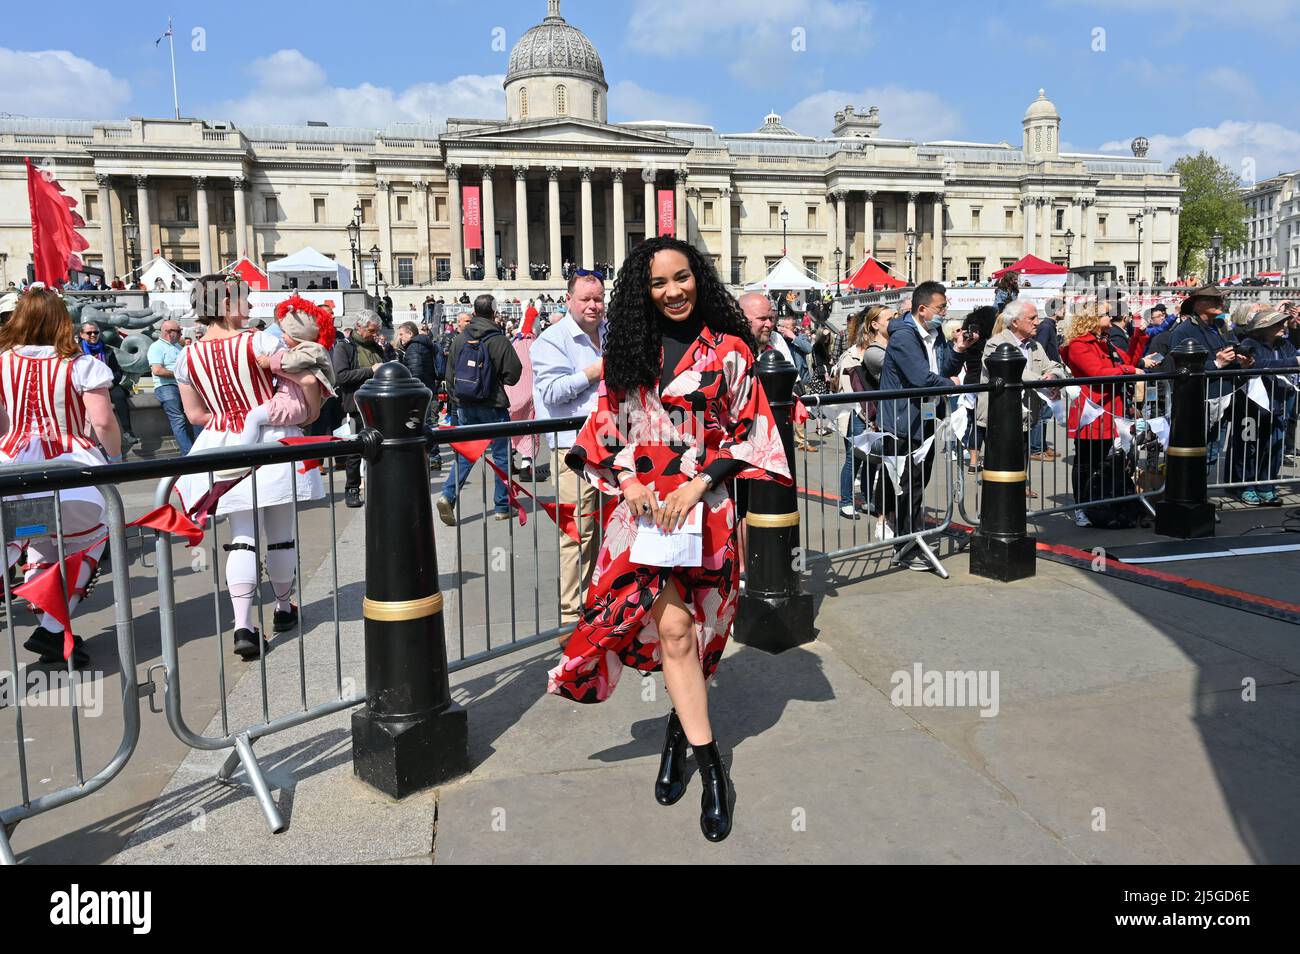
32 717
1251 423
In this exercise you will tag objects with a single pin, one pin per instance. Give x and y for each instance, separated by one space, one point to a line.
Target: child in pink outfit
306 329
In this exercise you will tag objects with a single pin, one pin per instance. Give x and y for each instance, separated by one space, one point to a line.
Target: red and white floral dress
713 407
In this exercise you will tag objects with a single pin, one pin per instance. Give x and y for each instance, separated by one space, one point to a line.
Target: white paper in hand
684 547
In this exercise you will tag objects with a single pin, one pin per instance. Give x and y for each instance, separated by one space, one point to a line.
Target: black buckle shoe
48 647
715 804
670 786
248 643
284 620
352 497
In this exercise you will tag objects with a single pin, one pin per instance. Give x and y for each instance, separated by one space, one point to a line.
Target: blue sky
1185 73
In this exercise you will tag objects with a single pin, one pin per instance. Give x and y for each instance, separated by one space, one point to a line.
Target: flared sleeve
751 433
602 452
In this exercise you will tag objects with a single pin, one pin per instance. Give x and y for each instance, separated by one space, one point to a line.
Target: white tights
254 421
81 520
275 526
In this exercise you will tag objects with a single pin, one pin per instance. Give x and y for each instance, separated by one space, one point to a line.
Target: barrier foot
773 623
1004 559
6 851
228 769
244 749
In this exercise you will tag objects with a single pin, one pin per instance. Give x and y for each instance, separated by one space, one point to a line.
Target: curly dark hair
633 340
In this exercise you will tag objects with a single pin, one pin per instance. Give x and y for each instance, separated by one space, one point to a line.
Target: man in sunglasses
92 343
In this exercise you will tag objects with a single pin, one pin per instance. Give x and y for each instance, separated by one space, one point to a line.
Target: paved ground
1121 732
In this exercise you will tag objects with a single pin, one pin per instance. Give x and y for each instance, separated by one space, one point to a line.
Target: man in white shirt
567 366
162 357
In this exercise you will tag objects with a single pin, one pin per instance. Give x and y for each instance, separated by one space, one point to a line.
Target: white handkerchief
684 547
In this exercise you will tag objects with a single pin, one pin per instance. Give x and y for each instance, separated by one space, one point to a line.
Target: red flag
473 219
170 520
55 240
45 592
667 218
800 412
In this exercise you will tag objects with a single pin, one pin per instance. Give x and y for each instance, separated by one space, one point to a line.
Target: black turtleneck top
677 338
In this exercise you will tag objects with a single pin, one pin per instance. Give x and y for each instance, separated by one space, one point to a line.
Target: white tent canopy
785 275
160 268
309 265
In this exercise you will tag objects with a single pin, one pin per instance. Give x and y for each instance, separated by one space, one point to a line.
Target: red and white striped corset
225 373
43 405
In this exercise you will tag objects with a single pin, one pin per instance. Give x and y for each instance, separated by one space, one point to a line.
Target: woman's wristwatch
707 478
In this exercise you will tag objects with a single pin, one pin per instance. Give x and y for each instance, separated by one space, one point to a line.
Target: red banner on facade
473 217
667 222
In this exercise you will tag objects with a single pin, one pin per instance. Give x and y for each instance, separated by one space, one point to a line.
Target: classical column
553 208
1045 244
681 224
1148 245
607 246
832 230
241 218
724 210
521 221
620 227
841 228
588 227
105 184
205 237
937 258
422 244
911 209
384 197
489 218
869 224
455 224
146 223
1094 230
1030 205
1171 269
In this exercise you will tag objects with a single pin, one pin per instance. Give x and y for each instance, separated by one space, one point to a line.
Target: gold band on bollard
1186 451
401 609
772 519
1003 476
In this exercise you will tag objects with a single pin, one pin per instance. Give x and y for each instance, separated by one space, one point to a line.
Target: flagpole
171 44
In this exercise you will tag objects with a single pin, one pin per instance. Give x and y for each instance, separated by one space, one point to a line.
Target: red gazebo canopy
1032 265
250 273
870 273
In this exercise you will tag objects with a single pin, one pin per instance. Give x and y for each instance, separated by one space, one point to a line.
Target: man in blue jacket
917 357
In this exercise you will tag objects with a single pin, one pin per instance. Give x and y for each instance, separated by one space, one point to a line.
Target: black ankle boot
715 804
671 783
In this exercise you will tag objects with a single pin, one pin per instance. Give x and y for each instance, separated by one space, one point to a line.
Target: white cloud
628 101
1229 82
904 113
59 84
290 88
1254 150
765 43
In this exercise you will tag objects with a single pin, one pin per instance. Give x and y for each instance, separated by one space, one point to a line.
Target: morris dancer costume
225 374
42 395
708 406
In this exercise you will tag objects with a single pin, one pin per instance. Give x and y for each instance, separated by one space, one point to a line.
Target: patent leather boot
715 804
670 786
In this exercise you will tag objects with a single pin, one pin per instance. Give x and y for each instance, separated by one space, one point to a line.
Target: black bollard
1000 548
409 736
773 615
1186 511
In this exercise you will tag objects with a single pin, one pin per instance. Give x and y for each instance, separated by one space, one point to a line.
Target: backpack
476 378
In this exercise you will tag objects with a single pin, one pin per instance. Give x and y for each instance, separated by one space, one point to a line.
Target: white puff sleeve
90 374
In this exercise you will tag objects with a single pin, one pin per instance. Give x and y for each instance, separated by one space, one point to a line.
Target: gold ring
398 610
772 519
1186 451
1004 476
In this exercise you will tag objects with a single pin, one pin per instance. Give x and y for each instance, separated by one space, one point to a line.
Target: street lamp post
838 252
910 235
354 240
1139 225
1215 243
785 217
1069 243
132 234
374 260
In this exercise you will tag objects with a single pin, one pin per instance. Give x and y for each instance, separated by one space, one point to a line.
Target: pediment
562 131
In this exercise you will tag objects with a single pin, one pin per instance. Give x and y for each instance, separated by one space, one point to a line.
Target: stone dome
772 126
555 48
1042 108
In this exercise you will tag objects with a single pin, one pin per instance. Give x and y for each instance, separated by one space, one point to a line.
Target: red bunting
800 412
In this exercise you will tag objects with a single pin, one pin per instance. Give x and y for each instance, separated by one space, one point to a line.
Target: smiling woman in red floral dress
679 413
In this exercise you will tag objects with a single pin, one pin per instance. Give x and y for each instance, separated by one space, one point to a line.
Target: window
975 219
595 104
90 205
1009 221
405 270
1130 272
403 208
442 267
773 216
812 216
318 210
1008 262
1101 226
735 216
523 102
271 208
947 264
813 265
227 210
737 270
182 208
1060 220
561 100
1132 223
708 213
367 211
440 208
878 218
769 262
974 268
1158 272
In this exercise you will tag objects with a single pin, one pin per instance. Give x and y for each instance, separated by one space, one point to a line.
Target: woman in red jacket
1089 353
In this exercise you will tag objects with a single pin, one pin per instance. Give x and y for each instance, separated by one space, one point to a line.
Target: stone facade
561 184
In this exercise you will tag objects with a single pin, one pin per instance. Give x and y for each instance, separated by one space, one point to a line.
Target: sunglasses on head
584 273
